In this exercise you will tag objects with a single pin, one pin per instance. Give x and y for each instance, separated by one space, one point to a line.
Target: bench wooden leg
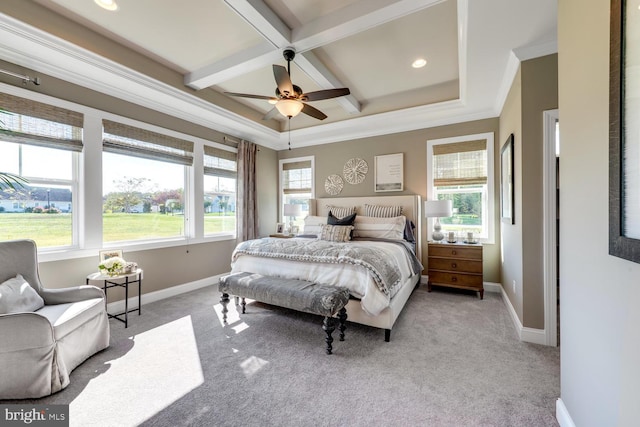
224 300
342 315
387 335
243 304
329 326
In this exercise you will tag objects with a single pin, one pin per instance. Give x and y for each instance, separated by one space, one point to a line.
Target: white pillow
17 296
313 224
380 228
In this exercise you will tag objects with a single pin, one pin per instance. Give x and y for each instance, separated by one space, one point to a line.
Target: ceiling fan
290 99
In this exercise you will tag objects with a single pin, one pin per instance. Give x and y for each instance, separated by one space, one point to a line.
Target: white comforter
356 278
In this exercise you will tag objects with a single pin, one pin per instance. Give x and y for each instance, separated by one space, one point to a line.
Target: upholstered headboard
411 208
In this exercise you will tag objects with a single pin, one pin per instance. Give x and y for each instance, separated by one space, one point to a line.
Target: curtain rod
24 77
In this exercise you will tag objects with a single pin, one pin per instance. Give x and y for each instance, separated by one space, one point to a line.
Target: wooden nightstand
282 236
456 265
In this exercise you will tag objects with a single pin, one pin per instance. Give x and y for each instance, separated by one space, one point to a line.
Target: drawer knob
454 265
454 279
454 253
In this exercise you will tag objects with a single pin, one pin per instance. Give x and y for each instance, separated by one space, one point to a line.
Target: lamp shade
438 208
292 210
289 107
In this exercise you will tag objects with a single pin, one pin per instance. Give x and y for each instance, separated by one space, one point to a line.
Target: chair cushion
65 318
17 296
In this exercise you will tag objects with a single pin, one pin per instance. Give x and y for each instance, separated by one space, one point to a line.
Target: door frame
550 210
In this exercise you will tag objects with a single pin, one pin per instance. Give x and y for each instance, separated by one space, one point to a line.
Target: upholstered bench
294 294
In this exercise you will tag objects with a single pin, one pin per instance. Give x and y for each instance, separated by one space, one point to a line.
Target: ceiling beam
243 62
311 65
263 19
342 23
353 19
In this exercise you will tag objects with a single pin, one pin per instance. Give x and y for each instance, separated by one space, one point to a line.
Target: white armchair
46 334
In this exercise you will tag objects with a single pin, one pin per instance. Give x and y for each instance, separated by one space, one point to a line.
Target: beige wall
330 159
534 90
539 93
511 234
599 294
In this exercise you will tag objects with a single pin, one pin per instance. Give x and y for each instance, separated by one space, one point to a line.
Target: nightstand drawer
455 279
455 265
455 252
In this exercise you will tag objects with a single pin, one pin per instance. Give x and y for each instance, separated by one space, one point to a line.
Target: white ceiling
473 48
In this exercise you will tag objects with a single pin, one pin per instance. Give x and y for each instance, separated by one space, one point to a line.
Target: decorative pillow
17 296
380 228
335 220
341 212
313 224
336 233
381 211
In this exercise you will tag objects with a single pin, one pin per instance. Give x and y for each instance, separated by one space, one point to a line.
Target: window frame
281 195
490 186
87 195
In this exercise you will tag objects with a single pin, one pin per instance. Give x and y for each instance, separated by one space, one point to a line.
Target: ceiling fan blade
325 94
271 114
283 80
248 95
313 112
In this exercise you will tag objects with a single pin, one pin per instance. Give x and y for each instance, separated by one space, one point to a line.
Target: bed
380 270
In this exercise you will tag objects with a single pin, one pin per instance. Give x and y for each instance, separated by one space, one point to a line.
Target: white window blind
24 121
131 141
461 163
297 177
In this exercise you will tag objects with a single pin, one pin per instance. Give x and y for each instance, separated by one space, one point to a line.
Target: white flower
113 265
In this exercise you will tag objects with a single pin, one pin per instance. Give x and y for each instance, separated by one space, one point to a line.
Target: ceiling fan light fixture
419 63
289 107
107 4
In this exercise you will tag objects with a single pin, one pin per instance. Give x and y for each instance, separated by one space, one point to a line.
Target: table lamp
292 211
436 209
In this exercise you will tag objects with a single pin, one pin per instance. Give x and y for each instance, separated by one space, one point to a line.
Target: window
296 185
220 176
143 184
39 142
461 170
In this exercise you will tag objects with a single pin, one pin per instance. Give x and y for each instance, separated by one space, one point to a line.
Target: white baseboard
118 306
562 415
532 335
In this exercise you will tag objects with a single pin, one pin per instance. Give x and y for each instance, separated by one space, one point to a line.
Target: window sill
75 253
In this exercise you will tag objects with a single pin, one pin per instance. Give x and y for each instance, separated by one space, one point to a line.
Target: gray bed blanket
385 273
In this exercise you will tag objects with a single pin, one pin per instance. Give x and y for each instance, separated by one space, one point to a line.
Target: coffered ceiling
472 49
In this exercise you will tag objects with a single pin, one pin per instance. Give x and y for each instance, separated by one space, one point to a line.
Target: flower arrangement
112 266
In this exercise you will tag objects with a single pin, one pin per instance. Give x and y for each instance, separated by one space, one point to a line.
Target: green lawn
55 229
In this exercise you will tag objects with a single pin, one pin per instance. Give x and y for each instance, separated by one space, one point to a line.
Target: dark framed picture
280 228
507 182
624 132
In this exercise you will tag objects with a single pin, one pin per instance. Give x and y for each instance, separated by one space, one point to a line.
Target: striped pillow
380 211
341 212
336 233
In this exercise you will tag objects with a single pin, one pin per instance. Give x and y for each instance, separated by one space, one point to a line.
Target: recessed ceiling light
419 63
107 4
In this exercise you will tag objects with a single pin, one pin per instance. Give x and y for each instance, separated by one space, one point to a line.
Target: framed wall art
507 182
624 132
389 172
109 253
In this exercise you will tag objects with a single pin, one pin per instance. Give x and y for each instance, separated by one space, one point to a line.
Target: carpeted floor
453 360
